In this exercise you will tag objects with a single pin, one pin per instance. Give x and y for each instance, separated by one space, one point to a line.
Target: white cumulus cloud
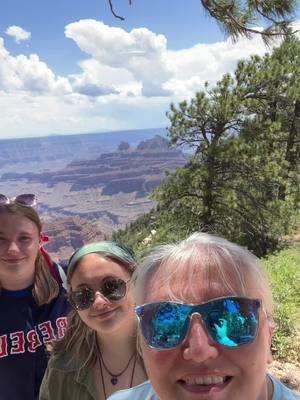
140 52
18 33
126 81
28 74
202 63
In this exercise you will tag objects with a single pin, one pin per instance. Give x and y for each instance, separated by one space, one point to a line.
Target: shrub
284 271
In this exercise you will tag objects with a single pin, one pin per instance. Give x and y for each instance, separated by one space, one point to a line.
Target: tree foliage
240 18
242 181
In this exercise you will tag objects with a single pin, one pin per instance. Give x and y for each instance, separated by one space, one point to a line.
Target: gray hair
234 268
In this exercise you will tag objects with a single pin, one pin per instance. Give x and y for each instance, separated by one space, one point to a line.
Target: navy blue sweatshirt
25 329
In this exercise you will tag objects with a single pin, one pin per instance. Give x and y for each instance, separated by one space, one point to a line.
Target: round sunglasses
26 199
114 289
229 321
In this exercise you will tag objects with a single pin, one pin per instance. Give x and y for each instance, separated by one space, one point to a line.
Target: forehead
195 283
10 223
94 267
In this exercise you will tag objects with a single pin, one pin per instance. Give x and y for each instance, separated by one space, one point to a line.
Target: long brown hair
45 287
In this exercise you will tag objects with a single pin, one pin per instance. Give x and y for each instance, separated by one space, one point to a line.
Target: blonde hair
79 340
216 259
45 287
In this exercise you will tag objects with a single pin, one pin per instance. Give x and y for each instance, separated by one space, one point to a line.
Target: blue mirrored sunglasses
229 321
26 199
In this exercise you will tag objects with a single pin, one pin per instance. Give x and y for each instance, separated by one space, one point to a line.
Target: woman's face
200 369
104 316
19 246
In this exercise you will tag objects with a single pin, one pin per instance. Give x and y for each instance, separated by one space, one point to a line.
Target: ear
271 328
271 332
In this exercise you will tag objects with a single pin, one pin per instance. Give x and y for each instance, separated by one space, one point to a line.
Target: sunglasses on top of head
113 289
27 200
229 321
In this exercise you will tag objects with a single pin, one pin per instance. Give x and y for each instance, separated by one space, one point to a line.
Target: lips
104 314
205 383
12 260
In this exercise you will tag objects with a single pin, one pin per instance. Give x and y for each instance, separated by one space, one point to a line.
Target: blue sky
69 66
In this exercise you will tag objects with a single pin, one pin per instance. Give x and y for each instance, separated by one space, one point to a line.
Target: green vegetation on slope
284 272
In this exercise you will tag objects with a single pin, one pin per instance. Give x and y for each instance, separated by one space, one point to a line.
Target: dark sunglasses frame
116 293
250 307
25 199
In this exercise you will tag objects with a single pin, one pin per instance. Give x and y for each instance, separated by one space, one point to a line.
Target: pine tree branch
226 18
113 12
235 20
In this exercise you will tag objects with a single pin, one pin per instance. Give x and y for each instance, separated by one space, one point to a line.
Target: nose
12 247
198 346
100 301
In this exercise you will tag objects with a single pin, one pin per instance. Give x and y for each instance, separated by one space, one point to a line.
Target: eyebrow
19 233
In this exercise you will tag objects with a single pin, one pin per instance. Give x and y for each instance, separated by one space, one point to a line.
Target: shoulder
59 379
144 391
61 274
281 392
63 363
59 307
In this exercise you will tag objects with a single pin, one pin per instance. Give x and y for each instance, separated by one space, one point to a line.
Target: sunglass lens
3 199
232 322
82 299
113 288
26 199
164 325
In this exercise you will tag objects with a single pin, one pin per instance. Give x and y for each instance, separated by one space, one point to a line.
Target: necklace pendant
114 380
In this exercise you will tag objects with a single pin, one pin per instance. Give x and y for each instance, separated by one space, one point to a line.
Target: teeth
205 380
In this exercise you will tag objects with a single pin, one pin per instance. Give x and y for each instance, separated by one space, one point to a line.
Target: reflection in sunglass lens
113 288
27 199
170 324
164 325
82 298
3 199
230 322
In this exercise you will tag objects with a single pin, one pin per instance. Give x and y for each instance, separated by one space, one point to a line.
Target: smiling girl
98 354
33 303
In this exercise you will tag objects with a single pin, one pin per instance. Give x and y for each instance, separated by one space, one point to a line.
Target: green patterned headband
114 249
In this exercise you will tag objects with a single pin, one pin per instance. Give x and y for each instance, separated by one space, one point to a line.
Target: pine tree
242 181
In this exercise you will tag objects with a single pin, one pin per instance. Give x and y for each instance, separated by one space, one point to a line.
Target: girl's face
104 316
19 246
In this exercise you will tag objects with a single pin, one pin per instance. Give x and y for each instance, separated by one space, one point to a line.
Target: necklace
114 377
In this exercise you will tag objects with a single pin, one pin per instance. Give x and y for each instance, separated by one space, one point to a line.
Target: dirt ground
288 373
